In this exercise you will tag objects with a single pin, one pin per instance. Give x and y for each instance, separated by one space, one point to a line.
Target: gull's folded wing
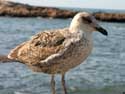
42 47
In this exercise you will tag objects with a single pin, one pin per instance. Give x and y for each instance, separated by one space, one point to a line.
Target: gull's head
86 22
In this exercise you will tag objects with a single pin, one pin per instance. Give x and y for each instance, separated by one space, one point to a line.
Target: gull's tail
5 59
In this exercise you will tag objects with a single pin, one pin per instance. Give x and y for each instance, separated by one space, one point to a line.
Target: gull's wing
13 53
42 47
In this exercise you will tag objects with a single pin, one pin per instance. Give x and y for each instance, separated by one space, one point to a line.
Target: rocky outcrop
8 8
5 59
111 17
12 9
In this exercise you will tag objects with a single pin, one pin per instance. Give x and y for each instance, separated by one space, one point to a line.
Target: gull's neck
80 32
87 34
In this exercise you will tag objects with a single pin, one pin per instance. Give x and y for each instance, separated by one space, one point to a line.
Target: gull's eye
87 19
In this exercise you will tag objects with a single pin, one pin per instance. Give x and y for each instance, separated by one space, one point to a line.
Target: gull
57 51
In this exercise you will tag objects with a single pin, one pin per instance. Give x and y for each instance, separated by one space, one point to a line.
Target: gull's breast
76 55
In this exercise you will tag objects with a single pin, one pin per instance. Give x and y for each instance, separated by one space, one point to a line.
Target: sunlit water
102 73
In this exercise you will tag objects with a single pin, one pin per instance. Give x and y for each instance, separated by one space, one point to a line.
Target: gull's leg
53 84
64 84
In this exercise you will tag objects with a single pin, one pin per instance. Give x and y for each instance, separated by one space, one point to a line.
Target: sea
102 73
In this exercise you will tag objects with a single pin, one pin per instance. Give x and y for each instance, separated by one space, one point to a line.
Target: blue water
102 73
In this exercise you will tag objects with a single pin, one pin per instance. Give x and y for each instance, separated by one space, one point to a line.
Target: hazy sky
103 4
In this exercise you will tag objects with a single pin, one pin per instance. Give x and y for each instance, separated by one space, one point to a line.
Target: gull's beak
101 30
97 27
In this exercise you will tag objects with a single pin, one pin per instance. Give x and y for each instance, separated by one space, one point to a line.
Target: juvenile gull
58 51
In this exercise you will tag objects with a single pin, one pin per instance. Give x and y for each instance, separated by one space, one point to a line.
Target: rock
8 8
5 59
110 17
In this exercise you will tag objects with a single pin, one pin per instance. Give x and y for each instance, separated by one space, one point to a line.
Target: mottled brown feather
41 46
13 54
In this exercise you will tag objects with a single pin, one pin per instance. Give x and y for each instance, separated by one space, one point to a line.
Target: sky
99 4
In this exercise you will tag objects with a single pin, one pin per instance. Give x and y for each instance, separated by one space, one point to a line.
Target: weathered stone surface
111 17
12 9
8 8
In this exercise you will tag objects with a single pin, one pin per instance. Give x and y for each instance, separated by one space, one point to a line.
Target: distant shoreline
12 9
